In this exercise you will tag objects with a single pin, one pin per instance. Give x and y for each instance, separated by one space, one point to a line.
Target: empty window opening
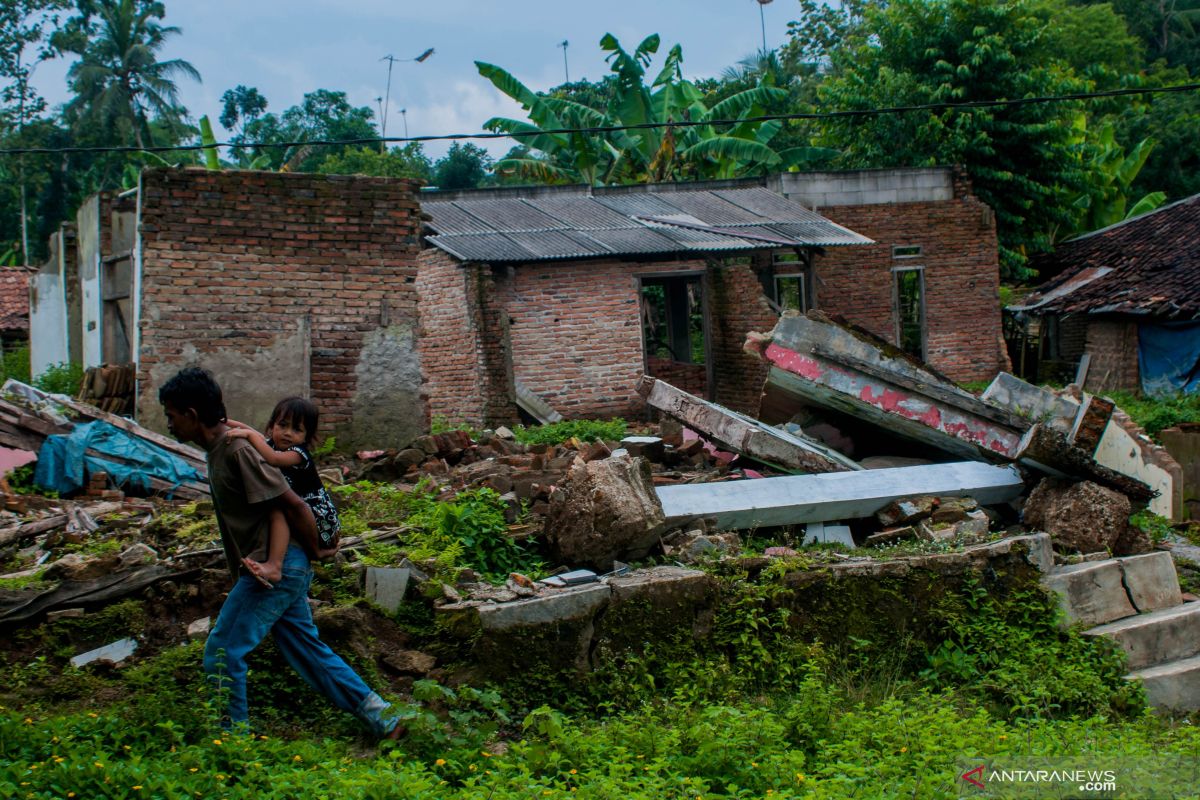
791 292
906 251
910 310
674 333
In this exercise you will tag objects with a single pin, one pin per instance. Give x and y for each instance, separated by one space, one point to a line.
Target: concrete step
1091 593
1174 686
1098 592
1156 637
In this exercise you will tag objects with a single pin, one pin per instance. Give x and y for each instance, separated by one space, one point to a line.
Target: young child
290 434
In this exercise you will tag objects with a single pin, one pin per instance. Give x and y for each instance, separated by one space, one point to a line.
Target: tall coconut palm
119 82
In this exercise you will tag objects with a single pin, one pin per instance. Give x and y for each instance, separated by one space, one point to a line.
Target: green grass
1156 413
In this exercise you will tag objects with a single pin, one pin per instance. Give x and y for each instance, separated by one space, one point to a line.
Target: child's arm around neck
276 458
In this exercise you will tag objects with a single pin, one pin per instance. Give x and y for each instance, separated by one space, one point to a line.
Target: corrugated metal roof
627 223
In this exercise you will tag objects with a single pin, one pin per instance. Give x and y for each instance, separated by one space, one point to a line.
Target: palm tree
119 81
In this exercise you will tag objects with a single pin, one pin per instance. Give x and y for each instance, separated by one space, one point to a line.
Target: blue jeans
250 612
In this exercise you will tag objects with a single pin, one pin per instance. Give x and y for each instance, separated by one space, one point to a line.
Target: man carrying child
245 490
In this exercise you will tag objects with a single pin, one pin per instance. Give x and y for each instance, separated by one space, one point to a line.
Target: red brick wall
1114 348
962 278
464 342
232 262
738 307
576 333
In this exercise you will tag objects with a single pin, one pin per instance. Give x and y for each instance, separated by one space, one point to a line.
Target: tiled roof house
1128 296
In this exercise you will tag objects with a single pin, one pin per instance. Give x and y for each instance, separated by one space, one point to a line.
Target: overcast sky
288 48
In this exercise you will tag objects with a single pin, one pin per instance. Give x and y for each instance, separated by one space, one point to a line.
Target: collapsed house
1123 308
572 293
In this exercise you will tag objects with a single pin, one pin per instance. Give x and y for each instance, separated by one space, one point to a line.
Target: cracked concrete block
1091 593
1158 637
550 609
386 587
1151 581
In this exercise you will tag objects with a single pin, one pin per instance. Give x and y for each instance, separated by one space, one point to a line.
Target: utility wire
856 113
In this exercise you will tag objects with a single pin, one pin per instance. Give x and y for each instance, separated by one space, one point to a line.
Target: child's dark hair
197 389
297 410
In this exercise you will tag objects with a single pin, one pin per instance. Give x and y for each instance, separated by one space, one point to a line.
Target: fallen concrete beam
1082 422
535 406
817 361
743 434
796 499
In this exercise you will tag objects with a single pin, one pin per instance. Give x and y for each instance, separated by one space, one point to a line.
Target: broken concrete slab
821 533
744 434
1081 421
1151 581
798 499
604 510
116 652
1091 593
556 606
815 360
386 586
533 405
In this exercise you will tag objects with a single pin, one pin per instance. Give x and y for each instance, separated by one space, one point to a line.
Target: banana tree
1111 172
569 148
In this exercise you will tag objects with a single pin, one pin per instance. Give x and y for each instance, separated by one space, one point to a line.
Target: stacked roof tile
14 300
1148 266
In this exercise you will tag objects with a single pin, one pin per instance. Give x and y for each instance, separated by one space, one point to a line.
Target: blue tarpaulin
1169 357
64 461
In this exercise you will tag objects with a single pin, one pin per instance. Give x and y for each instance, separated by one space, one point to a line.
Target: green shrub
1156 413
471 532
61 378
16 364
586 430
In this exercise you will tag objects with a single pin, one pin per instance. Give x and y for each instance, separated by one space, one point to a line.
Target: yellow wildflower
471 767
216 741
93 714
441 762
754 764
137 788
903 749
485 754
99 765
193 769
297 758
574 771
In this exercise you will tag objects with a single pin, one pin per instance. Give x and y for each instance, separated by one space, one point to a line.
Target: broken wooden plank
797 499
535 406
743 434
26 530
94 592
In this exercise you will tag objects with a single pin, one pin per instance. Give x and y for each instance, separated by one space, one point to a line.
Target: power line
855 113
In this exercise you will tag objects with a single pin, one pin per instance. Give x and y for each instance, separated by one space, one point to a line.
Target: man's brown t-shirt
242 483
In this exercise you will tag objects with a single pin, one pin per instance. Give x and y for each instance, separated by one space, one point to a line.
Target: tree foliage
323 115
119 82
567 147
1021 159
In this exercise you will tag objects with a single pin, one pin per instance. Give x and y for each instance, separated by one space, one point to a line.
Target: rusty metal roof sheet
508 229
1146 266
